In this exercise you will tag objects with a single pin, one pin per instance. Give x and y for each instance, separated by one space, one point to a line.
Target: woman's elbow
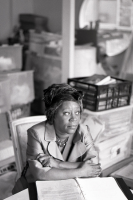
40 175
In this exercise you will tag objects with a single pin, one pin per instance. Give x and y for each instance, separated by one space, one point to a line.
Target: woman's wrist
59 164
79 172
69 165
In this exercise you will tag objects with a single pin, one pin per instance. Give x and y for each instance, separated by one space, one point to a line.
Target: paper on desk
58 190
100 188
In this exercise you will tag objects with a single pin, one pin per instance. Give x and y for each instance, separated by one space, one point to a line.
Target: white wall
51 9
5 18
21 6
108 9
9 11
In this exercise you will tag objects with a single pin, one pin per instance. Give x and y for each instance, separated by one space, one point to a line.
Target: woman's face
67 118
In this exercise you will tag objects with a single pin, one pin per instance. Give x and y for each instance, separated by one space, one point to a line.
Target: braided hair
56 94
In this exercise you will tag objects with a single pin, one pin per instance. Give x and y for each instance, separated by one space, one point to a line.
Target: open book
82 189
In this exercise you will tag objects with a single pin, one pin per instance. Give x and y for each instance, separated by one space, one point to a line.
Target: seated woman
61 147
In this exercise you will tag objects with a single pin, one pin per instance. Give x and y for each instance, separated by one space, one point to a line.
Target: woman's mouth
72 126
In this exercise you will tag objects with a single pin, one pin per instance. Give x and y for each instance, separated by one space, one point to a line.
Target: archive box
10 57
103 97
38 41
112 133
116 121
47 69
21 87
115 149
20 111
4 94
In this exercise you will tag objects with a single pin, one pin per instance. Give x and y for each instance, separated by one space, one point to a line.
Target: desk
24 195
108 171
73 193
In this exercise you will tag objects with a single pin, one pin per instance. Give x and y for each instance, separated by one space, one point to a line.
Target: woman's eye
78 112
66 113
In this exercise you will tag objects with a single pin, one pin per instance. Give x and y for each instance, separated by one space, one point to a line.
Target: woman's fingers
41 155
96 169
43 158
95 166
46 163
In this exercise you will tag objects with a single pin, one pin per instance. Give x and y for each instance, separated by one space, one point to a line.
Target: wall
5 16
108 11
53 10
9 11
20 6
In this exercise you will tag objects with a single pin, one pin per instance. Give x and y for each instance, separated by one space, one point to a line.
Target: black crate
103 97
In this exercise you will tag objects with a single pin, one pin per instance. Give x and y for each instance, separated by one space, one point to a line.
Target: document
98 188
80 189
58 190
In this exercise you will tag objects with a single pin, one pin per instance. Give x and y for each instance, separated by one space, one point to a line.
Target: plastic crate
103 97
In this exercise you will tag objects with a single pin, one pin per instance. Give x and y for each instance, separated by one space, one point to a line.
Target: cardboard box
114 149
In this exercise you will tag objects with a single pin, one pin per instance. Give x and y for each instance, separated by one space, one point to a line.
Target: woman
61 147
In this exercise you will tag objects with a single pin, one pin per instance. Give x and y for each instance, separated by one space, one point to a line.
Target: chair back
18 130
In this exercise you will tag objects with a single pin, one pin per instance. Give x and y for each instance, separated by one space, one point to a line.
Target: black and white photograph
66 100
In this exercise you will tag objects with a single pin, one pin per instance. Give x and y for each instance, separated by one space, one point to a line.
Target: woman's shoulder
84 129
85 133
39 126
37 130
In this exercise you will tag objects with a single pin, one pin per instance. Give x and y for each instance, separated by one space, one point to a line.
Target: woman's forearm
68 165
61 174
84 170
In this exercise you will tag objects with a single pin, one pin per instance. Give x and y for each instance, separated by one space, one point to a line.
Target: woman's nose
73 117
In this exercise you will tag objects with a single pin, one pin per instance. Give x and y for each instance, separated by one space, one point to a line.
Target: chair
18 129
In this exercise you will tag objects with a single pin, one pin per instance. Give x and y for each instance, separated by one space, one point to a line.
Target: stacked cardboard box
115 141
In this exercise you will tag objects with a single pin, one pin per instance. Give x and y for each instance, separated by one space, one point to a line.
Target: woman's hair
56 94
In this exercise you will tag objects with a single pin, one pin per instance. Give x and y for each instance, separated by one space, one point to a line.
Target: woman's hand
47 160
90 169
88 158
